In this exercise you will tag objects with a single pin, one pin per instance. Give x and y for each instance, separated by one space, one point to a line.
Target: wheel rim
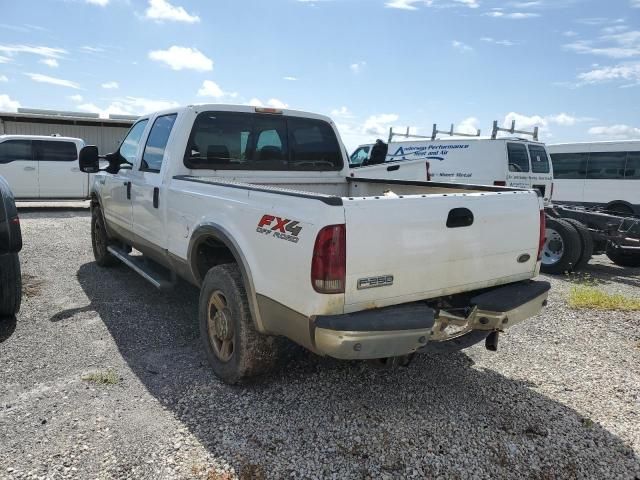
553 249
220 326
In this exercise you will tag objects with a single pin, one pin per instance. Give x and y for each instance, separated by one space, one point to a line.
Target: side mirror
89 159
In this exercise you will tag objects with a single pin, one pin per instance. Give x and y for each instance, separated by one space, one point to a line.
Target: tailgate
408 239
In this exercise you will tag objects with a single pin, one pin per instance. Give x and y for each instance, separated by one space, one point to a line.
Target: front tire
100 240
562 247
234 348
10 284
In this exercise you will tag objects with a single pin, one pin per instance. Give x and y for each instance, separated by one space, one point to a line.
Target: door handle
156 197
393 168
75 169
459 217
128 185
29 169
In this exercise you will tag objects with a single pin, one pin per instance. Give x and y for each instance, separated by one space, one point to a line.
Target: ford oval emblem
524 258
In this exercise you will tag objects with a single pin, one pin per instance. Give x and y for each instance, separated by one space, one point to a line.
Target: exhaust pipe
491 342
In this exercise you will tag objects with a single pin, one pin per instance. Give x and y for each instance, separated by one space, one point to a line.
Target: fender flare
210 230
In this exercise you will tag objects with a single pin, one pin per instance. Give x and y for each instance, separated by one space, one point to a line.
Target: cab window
539 159
157 143
53 151
13 150
518 158
359 156
129 147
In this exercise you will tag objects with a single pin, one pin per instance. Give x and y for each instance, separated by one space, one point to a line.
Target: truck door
117 188
541 176
518 172
148 217
19 168
58 172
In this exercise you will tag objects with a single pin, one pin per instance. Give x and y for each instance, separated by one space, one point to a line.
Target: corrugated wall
106 138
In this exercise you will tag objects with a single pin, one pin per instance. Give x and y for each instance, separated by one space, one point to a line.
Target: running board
140 266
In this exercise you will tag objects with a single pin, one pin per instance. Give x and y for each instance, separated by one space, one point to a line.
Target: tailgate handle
459 217
393 168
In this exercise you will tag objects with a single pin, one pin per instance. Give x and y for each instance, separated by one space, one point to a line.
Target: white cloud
8 105
272 102
357 67
4 59
615 132
50 62
183 58
468 125
75 98
47 52
461 47
525 122
37 77
341 112
634 3
101 3
614 44
3 79
499 13
379 124
628 72
110 85
403 4
290 79
90 49
570 33
128 106
212 89
161 10
413 4
505 43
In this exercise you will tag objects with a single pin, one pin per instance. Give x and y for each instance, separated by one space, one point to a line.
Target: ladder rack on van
433 135
512 130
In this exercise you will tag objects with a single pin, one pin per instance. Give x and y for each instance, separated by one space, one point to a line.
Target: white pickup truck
253 206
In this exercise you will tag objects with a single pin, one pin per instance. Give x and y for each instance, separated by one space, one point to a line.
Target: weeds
102 377
582 296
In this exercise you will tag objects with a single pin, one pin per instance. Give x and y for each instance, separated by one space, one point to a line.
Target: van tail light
428 171
500 183
542 234
328 264
551 194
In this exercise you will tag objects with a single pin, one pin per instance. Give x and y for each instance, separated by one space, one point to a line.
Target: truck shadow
346 412
607 273
7 327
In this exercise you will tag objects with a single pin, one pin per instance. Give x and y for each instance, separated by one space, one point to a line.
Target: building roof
67 118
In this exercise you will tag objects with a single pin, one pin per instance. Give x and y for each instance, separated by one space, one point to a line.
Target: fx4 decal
282 228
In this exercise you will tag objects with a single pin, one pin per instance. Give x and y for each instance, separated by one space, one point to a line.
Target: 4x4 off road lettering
281 228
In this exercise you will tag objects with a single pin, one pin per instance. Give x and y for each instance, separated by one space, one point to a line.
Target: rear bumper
404 329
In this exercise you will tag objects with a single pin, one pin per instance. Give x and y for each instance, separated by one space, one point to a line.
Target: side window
359 156
313 145
52 151
518 158
157 143
129 147
606 165
12 150
539 159
570 166
632 170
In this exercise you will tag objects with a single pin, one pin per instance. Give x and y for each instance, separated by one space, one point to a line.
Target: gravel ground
560 398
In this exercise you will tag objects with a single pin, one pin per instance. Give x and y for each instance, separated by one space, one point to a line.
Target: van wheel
619 209
620 257
234 348
100 240
586 241
10 284
562 247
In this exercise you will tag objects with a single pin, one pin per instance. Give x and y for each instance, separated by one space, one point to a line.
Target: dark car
10 245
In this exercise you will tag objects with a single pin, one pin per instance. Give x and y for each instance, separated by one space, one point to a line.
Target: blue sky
570 66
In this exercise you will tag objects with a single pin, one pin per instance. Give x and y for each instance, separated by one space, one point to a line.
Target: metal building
106 133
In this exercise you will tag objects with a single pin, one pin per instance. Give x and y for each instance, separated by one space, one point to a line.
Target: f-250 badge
282 228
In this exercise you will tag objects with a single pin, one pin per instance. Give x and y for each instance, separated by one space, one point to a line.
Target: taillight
428 172
500 183
542 234
551 194
328 264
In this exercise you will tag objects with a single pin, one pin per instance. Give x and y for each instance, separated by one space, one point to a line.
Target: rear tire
562 247
619 257
100 240
234 348
10 284
586 241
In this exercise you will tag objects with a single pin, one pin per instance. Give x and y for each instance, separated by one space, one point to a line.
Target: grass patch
102 377
584 296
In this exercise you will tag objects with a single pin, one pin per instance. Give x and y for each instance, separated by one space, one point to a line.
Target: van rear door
518 169
541 175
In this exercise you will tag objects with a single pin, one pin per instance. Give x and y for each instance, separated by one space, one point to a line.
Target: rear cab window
539 159
13 150
518 157
245 141
54 151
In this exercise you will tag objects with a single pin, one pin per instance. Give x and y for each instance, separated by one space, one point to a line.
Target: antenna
512 130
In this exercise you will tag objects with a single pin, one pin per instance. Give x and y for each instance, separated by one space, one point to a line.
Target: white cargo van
43 167
509 161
